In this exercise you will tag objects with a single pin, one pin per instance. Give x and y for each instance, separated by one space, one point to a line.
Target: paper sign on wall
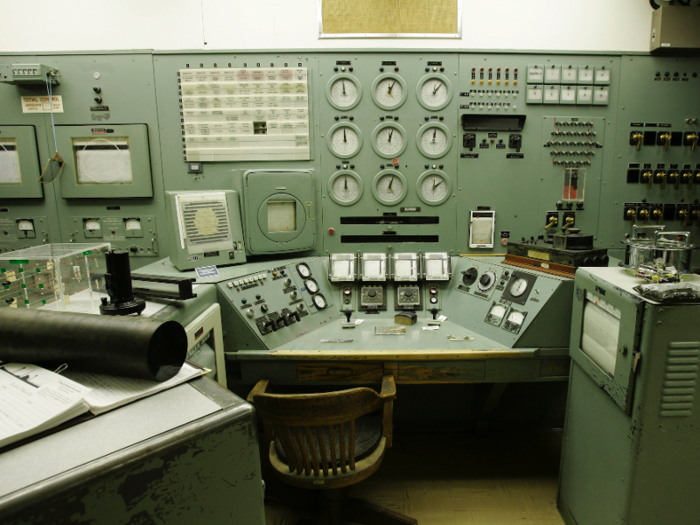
41 104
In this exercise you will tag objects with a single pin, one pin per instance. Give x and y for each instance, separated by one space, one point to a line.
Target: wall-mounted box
111 161
675 27
19 163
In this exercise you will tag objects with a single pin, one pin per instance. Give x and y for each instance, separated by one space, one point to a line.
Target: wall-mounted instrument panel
374 151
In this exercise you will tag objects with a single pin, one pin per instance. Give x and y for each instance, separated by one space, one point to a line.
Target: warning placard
41 104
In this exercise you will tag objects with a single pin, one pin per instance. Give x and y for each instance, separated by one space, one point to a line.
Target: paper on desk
432 327
33 399
109 392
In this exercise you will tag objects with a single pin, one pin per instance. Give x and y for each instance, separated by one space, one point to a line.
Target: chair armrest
259 388
388 392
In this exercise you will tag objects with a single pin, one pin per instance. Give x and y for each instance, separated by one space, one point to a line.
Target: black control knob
98 99
484 280
134 249
288 282
469 277
97 89
372 293
408 293
264 308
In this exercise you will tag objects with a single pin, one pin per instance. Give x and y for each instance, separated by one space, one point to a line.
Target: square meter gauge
496 314
436 266
569 75
406 267
602 76
551 95
373 266
552 75
519 287
341 267
568 95
535 74
514 321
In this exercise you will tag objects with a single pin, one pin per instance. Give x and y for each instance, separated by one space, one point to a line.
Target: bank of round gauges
434 91
344 140
389 140
311 286
345 187
434 187
389 187
389 91
434 140
343 92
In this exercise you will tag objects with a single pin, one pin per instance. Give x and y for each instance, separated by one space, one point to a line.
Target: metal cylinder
118 276
128 346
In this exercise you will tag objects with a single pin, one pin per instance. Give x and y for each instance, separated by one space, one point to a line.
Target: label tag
207 272
41 104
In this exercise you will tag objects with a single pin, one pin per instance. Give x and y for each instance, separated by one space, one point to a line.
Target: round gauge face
390 188
311 286
304 270
516 318
389 141
433 141
344 141
433 93
345 187
343 93
319 301
388 91
498 310
518 287
433 188
486 280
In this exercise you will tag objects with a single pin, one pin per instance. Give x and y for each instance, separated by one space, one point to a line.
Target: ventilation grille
680 379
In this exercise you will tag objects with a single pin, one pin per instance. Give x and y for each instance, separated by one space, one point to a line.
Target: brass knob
649 178
662 176
644 214
638 137
666 139
657 214
688 177
552 222
568 222
693 137
684 213
675 178
631 214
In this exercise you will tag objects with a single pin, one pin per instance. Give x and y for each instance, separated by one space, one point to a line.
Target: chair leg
358 511
331 501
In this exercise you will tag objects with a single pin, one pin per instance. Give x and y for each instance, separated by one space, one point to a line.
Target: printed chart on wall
238 114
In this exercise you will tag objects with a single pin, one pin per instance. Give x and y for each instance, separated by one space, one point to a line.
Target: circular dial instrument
344 140
389 91
343 92
304 270
469 276
311 285
389 187
434 91
486 281
345 187
434 140
434 187
389 140
518 287
319 301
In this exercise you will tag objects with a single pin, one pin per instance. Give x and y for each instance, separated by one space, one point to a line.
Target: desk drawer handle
340 371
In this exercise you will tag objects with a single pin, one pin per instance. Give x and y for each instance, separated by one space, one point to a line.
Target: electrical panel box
280 211
19 163
675 28
107 161
28 74
207 228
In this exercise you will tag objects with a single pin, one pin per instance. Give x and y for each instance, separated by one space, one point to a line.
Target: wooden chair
329 441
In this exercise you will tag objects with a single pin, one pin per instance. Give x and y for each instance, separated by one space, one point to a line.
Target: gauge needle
346 182
343 82
437 86
390 183
434 134
389 90
345 139
390 134
438 184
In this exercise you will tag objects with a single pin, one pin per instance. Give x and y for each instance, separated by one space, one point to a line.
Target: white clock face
390 188
389 141
433 141
518 288
389 92
345 188
434 188
311 286
345 141
434 93
344 93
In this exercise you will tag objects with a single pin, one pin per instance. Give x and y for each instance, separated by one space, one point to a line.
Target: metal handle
658 234
635 227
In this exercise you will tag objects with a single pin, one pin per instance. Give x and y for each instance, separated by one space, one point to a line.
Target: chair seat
368 433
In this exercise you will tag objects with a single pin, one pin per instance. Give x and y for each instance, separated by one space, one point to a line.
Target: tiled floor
457 478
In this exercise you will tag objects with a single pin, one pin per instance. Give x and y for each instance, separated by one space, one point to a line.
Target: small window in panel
406 266
437 266
9 162
281 216
342 267
103 161
374 266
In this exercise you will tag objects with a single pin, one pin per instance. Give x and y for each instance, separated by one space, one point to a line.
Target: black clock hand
343 82
390 134
346 182
434 134
345 139
437 86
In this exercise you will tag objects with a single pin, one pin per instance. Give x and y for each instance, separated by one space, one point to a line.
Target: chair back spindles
334 458
351 452
322 447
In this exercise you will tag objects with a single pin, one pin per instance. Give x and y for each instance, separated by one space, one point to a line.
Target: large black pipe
127 346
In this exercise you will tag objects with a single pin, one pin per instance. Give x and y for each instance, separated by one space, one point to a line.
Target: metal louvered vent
205 222
680 379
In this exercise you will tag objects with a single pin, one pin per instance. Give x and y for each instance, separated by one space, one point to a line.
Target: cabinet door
19 163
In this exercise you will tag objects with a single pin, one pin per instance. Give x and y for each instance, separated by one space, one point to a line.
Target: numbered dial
304 270
389 91
345 187
389 187
486 281
343 92
311 285
344 140
389 140
434 92
319 301
518 287
434 140
434 187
